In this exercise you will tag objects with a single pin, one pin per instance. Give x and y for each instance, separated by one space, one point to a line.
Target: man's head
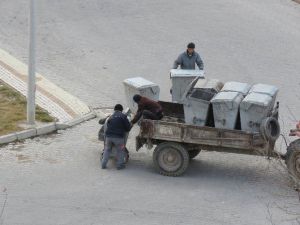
190 48
136 98
118 107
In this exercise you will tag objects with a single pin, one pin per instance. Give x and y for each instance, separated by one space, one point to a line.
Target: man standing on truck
147 108
117 126
188 59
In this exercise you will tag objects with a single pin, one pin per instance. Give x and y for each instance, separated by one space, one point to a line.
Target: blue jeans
119 144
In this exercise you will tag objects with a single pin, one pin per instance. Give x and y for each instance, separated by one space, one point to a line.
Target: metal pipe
31 67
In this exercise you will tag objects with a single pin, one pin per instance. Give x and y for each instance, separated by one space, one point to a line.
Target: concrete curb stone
26 134
45 129
5 139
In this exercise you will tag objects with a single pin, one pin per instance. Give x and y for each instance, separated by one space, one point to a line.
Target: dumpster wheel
293 159
170 159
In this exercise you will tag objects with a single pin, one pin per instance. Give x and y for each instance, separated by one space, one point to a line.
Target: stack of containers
257 106
181 79
141 86
226 104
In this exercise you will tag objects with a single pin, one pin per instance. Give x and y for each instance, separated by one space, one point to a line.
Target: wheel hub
170 160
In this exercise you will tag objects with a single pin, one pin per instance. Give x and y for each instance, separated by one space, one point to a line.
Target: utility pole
31 67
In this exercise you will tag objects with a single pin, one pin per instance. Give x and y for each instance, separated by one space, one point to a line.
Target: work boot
121 167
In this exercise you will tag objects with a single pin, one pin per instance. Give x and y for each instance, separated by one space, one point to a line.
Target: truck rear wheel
293 159
170 159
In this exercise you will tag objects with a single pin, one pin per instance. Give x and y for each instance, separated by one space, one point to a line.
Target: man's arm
127 124
199 62
137 116
177 62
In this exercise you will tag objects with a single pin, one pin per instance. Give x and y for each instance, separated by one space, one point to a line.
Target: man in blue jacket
188 59
117 126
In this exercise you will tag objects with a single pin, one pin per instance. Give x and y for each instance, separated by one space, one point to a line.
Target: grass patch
13 110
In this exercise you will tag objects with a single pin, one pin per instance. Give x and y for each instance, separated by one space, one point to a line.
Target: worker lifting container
226 109
141 86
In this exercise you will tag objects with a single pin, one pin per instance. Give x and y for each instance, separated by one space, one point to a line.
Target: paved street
88 47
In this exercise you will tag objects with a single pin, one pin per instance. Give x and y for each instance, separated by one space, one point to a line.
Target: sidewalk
60 104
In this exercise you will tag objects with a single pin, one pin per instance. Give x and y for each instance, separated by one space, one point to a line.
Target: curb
45 129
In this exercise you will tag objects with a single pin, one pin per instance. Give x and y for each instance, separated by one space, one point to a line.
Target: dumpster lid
236 86
227 96
139 82
186 73
189 88
265 89
257 99
209 84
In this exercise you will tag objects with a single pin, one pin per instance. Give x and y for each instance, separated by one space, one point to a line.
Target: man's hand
296 132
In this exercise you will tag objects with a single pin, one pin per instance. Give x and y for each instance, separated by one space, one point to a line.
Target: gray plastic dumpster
226 109
196 104
242 88
141 86
181 80
253 109
266 89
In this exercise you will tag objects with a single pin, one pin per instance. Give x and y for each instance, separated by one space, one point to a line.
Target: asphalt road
88 47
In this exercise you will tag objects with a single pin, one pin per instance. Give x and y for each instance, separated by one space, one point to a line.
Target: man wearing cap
117 126
147 108
188 59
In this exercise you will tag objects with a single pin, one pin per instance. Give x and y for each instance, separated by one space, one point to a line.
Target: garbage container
141 86
226 109
253 109
211 84
181 80
242 88
196 106
266 89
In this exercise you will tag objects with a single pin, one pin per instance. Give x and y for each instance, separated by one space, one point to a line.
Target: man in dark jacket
147 108
117 126
188 59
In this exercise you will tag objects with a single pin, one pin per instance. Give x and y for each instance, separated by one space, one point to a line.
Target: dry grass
13 110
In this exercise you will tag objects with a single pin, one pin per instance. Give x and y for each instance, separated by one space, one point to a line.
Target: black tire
170 159
270 129
292 159
194 153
